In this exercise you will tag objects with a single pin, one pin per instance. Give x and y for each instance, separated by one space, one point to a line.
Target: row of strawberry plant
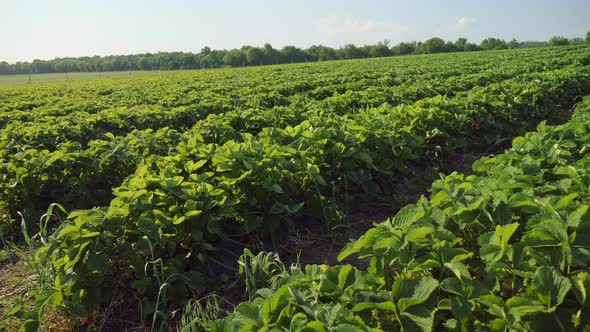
72 175
85 178
507 249
178 210
46 131
184 89
209 97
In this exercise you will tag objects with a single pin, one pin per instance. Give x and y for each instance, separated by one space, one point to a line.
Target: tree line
266 55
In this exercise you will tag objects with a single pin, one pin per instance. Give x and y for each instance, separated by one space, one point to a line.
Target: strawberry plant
166 176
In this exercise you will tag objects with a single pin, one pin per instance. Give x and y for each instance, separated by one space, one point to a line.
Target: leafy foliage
504 249
507 249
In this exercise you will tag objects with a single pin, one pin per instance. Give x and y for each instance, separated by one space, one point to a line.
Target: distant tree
234 58
577 41
327 53
418 47
188 61
449 47
291 54
22 68
493 44
513 43
433 45
132 62
40 66
379 50
206 50
213 59
5 68
350 51
457 46
460 44
270 55
532 43
60 66
144 63
320 53
166 61
251 55
324 53
312 53
588 37
470 47
404 48
558 41
254 56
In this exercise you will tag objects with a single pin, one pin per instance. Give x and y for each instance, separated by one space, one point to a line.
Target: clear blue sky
31 29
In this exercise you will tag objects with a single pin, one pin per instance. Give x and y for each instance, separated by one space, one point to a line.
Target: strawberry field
152 186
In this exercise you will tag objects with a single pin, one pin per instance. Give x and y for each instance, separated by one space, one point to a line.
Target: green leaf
453 286
171 183
550 287
407 215
581 287
116 212
347 251
494 244
494 304
249 312
459 269
24 231
178 220
497 325
224 167
276 188
320 180
346 276
465 290
505 232
491 253
417 233
418 318
193 213
314 326
566 201
574 218
421 293
297 295
191 166
386 306
54 300
272 306
347 328
298 322
519 306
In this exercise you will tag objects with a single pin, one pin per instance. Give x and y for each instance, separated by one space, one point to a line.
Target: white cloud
463 23
337 30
